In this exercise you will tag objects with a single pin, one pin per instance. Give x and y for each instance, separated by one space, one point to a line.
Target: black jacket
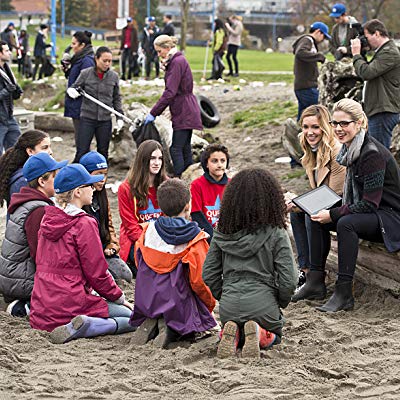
6 94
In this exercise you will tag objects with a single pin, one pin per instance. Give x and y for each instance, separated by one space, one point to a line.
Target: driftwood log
52 121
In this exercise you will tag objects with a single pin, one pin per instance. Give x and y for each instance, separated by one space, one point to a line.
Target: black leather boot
313 289
342 298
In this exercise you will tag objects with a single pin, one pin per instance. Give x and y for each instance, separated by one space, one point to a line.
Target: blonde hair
352 108
63 199
166 41
312 160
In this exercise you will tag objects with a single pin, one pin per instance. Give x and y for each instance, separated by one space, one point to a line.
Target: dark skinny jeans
350 229
232 52
181 150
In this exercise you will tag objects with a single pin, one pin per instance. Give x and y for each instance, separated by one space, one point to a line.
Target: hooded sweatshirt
70 264
252 275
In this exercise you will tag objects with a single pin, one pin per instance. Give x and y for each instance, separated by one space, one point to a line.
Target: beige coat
331 174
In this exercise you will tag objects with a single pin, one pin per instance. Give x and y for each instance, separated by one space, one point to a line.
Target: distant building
31 6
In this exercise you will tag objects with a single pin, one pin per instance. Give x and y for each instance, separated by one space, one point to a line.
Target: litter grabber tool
108 108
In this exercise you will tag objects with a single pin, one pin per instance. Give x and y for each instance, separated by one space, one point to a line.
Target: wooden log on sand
52 121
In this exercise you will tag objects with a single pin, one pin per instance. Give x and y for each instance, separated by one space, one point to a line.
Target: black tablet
321 198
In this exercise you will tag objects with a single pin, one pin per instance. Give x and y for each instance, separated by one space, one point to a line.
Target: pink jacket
69 264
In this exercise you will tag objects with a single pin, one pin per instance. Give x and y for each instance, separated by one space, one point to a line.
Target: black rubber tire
209 113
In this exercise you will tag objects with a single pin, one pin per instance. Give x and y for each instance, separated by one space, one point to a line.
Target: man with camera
9 91
381 94
345 29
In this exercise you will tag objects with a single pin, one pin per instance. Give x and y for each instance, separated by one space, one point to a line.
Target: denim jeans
301 233
88 128
9 134
350 229
381 125
181 150
305 98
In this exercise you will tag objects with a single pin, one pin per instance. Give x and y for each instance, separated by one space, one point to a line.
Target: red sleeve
197 198
94 265
32 225
127 212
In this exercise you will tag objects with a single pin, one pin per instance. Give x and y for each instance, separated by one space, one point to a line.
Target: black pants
127 55
88 128
152 58
39 61
181 150
350 229
232 51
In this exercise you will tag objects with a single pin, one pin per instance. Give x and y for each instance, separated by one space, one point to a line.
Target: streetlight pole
62 18
53 30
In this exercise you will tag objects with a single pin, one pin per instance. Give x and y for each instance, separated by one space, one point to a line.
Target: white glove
73 93
120 124
342 49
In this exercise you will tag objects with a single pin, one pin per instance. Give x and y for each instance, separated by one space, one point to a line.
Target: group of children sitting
59 264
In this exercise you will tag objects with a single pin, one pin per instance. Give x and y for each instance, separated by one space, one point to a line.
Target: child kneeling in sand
250 267
70 265
171 299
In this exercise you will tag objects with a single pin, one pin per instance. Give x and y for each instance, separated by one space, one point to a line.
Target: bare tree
184 22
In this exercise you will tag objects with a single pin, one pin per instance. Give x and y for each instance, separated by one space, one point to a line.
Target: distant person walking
24 61
129 49
306 58
218 47
169 28
8 35
39 51
83 57
150 32
103 84
234 27
9 91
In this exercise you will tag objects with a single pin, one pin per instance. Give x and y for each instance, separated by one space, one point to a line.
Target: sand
353 355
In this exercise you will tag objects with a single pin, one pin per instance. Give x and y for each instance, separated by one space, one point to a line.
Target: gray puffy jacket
17 268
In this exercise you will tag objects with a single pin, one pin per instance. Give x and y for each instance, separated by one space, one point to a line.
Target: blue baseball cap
40 163
129 19
73 176
151 19
338 10
322 27
93 161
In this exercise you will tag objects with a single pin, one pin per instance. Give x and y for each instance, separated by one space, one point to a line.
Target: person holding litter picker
102 84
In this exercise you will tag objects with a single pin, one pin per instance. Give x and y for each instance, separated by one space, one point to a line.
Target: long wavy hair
138 175
314 160
15 157
252 200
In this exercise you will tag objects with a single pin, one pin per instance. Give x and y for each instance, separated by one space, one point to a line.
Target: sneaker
229 340
18 308
147 331
235 75
251 347
267 339
302 278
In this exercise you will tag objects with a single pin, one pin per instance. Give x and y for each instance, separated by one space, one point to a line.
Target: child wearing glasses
74 295
96 164
370 208
320 149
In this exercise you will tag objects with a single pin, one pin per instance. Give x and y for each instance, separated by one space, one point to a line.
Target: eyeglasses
85 186
343 124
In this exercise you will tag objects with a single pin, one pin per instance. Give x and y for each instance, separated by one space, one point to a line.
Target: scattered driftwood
52 121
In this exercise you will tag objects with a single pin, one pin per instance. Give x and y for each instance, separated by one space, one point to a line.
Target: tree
141 12
184 20
76 13
5 5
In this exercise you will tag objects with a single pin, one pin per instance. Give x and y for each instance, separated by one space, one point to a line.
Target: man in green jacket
381 95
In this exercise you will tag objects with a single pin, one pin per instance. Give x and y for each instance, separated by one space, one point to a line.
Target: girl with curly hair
12 161
320 149
137 195
249 267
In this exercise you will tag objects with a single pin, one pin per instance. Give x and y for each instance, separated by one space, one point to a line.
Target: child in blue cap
96 164
74 295
18 252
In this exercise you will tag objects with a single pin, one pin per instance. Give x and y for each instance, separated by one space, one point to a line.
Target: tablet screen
321 198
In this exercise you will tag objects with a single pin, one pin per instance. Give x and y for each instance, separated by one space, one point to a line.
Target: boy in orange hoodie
171 298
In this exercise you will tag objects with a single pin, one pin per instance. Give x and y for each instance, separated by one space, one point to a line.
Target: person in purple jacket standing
178 95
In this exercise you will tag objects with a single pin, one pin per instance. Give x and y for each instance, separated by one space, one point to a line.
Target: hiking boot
251 347
18 308
342 298
313 289
227 347
147 331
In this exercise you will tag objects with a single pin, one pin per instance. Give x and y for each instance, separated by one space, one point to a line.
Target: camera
360 35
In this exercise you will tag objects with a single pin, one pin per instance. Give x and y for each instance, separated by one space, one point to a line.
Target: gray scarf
346 157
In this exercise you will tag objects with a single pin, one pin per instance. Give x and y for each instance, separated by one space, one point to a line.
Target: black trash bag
48 68
146 132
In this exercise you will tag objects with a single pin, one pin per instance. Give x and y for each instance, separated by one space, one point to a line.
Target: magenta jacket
178 95
69 264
